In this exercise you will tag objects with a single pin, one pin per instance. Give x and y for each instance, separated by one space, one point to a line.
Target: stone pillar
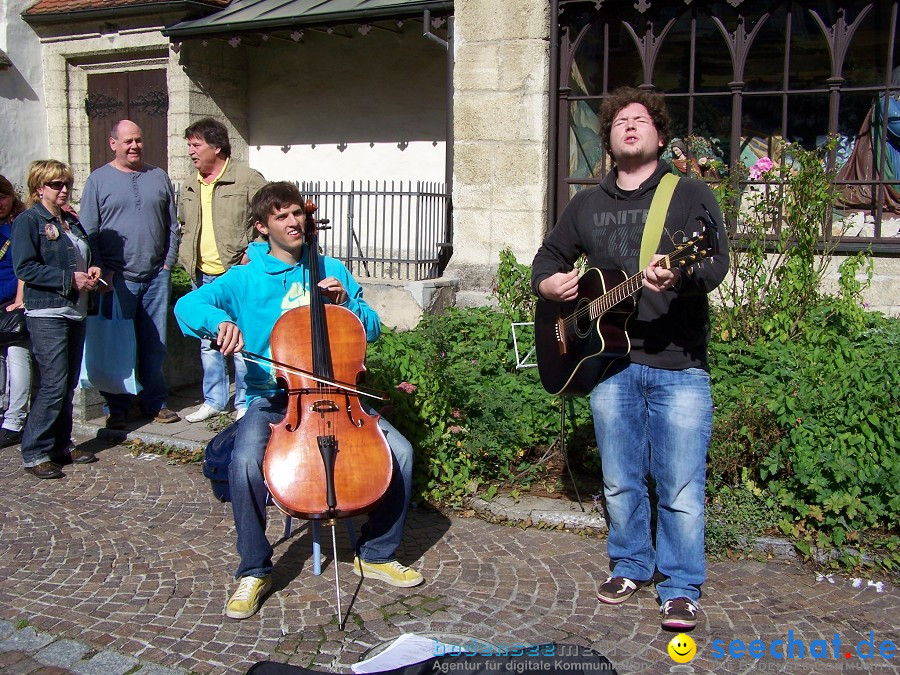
500 81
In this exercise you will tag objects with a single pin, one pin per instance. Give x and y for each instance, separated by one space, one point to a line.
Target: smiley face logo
682 648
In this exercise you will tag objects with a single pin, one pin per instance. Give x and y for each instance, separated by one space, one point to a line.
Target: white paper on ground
407 649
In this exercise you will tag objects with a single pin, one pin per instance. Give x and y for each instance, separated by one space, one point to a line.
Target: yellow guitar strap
656 218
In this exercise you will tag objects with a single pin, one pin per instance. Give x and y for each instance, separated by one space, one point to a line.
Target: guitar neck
626 289
617 294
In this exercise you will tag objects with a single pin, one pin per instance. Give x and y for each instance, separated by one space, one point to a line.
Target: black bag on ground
12 325
548 658
217 459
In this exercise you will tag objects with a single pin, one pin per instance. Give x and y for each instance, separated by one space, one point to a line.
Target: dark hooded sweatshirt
671 328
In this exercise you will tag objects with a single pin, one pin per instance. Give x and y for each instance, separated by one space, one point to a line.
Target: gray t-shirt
129 217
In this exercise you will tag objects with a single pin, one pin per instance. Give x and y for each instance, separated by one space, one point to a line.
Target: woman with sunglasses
18 356
53 258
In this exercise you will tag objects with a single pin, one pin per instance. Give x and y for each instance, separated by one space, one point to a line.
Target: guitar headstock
701 245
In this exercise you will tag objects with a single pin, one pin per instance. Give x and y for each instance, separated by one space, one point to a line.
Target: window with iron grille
743 80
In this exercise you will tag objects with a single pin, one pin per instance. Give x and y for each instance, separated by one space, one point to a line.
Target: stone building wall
211 81
500 135
22 108
202 79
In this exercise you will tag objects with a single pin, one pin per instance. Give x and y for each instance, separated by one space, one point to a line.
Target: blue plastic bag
110 353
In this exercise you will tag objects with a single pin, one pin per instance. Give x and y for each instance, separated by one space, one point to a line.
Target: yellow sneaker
248 597
391 572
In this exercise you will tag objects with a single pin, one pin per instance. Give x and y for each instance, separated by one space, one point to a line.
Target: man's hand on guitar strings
660 279
561 287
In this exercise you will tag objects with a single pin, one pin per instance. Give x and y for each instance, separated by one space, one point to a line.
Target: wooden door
140 96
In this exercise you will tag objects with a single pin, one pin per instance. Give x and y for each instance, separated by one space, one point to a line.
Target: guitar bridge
561 337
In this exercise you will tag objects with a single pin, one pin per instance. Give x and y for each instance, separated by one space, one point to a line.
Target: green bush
457 395
816 422
783 254
805 432
181 282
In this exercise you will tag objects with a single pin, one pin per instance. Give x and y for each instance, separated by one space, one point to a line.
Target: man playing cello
240 309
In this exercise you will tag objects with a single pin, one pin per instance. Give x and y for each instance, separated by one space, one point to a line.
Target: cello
327 458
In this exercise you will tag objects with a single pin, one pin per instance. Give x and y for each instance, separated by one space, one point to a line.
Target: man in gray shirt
128 212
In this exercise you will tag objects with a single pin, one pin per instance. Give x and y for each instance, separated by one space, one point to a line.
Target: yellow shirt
208 260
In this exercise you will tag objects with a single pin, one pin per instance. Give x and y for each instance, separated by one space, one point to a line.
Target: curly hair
625 96
42 171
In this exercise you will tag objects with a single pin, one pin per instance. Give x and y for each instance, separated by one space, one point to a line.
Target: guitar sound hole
583 319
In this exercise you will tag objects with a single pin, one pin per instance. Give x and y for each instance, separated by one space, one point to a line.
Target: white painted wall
420 160
23 134
347 106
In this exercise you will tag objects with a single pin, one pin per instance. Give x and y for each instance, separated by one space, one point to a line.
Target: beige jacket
231 217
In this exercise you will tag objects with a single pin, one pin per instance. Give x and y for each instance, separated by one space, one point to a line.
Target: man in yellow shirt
216 231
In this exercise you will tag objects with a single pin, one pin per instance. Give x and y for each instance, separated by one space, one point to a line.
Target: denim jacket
47 265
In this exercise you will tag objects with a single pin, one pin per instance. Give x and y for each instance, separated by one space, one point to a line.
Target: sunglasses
58 184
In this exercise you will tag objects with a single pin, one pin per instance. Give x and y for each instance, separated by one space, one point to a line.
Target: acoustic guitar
577 341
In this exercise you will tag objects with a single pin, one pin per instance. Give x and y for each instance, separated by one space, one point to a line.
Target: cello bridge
323 406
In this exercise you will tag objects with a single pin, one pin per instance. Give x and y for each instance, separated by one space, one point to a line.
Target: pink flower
763 165
456 413
455 429
407 387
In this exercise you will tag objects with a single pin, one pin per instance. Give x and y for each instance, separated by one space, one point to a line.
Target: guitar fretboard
616 295
627 288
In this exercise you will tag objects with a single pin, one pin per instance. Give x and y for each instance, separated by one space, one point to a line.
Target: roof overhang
268 15
151 7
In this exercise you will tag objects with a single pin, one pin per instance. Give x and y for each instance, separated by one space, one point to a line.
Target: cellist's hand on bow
333 290
230 338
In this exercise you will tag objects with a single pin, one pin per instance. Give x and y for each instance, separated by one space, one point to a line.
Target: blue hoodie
254 296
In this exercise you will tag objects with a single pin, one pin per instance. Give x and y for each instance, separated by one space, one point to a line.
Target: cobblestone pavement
124 566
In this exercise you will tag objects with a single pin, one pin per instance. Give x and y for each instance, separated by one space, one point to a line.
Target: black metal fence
384 230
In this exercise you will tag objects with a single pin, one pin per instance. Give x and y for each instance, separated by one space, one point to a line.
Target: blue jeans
381 534
215 372
147 302
657 422
56 346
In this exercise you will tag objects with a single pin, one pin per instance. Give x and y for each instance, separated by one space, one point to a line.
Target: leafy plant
513 288
458 396
784 249
735 515
181 282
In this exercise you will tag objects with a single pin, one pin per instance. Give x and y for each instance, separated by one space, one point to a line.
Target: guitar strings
623 289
